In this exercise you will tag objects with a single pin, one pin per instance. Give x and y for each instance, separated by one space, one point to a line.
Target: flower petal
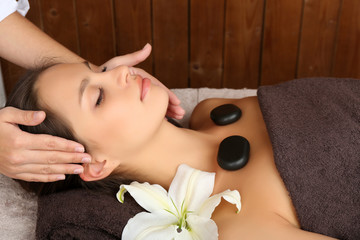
191 186
183 235
211 203
233 197
150 197
202 228
149 226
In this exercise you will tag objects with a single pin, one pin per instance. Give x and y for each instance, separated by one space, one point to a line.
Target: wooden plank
243 32
133 27
206 44
318 37
34 14
281 38
59 19
96 30
11 72
170 36
347 56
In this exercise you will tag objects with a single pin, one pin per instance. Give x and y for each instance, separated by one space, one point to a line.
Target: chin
159 100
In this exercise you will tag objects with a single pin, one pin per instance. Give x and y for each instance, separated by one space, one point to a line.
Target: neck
158 161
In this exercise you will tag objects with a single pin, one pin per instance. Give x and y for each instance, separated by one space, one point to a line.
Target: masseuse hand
45 158
34 157
174 108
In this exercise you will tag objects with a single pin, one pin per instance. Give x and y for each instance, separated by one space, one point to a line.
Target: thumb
23 117
130 59
139 56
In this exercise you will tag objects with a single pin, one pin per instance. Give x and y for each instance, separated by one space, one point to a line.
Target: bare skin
126 132
267 211
45 158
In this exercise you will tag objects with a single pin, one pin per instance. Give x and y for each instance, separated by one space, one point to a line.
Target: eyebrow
84 82
87 64
83 85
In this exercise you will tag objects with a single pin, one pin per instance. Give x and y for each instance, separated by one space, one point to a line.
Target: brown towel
82 214
314 126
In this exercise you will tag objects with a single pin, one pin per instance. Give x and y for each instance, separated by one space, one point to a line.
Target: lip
144 88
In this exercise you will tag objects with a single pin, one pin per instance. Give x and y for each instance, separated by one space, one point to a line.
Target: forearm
26 45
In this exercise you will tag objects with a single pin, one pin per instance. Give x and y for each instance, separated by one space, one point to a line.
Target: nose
121 74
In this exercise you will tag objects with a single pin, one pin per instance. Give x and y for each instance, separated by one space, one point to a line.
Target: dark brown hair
24 97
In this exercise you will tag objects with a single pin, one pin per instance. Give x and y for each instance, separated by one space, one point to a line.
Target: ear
94 171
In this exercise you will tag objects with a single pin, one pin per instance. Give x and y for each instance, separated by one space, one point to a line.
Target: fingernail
146 45
86 160
61 177
78 171
38 115
79 149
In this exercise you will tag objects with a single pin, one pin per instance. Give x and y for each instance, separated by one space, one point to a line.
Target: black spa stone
225 114
233 153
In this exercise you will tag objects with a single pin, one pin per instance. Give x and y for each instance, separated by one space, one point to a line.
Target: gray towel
314 126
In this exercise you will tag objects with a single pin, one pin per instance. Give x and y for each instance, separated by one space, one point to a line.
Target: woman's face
110 112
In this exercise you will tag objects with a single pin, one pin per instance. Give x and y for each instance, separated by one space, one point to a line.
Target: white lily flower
183 213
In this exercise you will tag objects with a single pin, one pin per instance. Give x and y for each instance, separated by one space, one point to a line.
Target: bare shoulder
264 225
200 117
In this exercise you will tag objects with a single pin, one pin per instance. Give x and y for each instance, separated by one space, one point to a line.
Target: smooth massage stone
233 153
225 114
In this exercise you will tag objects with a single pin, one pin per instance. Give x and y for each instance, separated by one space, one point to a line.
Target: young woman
120 118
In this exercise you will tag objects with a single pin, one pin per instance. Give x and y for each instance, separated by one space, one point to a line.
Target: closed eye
100 97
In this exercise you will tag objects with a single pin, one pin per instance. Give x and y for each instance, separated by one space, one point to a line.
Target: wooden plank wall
212 43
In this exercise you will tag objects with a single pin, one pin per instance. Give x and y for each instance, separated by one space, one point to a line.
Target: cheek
133 124
113 127
125 125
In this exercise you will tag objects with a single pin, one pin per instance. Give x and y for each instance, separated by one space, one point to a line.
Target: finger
173 99
175 112
175 116
30 177
138 56
176 109
131 59
56 157
52 143
17 116
142 73
58 169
